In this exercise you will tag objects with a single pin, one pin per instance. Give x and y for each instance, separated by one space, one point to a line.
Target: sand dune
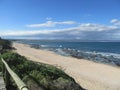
90 75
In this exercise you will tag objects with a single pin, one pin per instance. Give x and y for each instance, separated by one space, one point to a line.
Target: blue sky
60 19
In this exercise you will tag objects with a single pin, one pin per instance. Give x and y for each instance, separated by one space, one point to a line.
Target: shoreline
99 57
90 75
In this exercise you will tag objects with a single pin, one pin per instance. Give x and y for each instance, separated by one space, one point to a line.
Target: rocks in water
61 52
93 56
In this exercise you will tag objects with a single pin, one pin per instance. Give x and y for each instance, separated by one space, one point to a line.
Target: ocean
105 52
103 47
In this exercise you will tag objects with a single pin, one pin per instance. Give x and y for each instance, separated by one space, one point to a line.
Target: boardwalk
2 84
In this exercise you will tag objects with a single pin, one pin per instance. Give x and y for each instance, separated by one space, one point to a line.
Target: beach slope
90 75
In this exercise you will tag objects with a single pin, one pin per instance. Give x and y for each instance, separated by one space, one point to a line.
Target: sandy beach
90 75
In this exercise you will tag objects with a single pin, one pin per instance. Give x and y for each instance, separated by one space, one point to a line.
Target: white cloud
115 22
47 24
66 22
24 33
81 28
95 27
51 24
82 31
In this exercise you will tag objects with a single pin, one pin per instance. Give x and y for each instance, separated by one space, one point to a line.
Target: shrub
46 76
5 44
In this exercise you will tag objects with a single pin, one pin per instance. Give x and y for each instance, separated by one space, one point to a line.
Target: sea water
97 51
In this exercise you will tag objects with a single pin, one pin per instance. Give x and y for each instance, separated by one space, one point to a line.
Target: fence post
3 69
7 78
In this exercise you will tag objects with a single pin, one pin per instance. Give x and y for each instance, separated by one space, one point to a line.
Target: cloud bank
84 31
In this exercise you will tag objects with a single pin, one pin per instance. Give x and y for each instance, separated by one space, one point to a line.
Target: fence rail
8 72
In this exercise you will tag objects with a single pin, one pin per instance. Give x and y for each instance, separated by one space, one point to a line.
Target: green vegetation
44 76
37 76
4 45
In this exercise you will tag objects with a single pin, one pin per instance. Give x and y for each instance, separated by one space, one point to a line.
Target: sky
60 19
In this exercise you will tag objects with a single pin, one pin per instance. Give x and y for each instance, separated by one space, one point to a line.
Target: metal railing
8 72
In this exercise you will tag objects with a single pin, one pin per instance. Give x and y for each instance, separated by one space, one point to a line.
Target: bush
5 44
46 76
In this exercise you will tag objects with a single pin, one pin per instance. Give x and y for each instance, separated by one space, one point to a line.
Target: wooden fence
8 72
